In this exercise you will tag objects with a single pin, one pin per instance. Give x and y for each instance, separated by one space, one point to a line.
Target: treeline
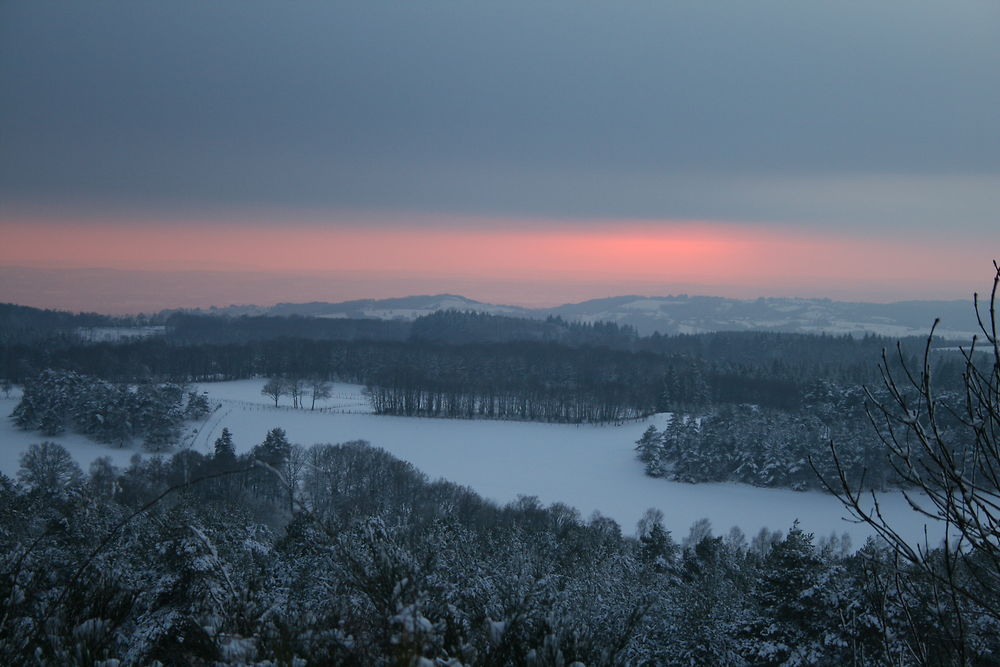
190 329
459 328
26 325
842 354
840 358
451 327
115 413
760 354
673 380
564 405
509 381
342 554
524 381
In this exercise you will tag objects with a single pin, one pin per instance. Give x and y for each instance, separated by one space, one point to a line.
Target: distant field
118 334
592 468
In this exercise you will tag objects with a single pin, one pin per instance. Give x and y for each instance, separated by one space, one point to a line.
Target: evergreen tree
225 451
795 616
656 547
197 406
650 448
48 401
160 414
274 452
275 449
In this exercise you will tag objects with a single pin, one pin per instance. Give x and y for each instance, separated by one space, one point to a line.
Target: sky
195 153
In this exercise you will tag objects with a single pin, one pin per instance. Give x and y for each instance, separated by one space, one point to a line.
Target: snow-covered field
592 468
118 334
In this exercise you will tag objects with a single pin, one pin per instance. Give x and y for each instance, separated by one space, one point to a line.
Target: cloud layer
846 113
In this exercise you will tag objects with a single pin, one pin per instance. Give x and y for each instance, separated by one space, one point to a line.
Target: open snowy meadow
592 468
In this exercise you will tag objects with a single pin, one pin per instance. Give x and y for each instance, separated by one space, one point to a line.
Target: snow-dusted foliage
115 413
779 448
766 447
358 558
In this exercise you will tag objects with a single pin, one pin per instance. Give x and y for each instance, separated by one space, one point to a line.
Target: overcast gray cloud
813 112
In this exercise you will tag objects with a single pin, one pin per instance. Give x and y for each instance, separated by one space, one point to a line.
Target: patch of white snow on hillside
643 304
592 468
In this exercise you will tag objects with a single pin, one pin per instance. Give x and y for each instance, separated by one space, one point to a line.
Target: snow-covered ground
592 468
118 334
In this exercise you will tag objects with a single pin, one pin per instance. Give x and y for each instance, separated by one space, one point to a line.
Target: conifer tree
656 547
794 611
274 452
197 405
275 448
650 448
224 449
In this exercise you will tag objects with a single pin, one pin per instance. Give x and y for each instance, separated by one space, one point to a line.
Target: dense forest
341 554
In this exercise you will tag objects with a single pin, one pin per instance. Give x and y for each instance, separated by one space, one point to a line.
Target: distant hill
669 314
702 314
403 308
24 324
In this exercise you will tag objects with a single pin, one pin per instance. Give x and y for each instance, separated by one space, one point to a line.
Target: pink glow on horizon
762 259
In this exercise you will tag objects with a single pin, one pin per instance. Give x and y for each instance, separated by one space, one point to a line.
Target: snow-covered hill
403 308
673 314
699 314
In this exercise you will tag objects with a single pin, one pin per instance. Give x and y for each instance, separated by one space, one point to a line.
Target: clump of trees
528 382
770 448
764 446
461 327
55 401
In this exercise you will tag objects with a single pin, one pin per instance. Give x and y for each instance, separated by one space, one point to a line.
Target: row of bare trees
298 388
